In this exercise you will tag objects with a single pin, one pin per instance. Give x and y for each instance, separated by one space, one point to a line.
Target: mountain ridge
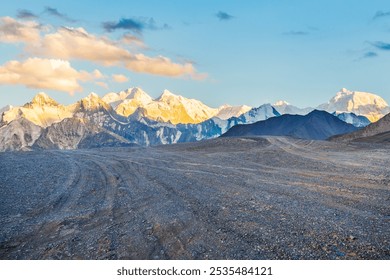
365 104
151 122
317 125
382 126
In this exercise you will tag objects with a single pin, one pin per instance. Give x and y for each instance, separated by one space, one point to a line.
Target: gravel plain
227 198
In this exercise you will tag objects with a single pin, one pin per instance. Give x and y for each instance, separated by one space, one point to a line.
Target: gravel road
228 198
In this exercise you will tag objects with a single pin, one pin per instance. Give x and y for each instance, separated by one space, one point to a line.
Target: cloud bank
133 24
13 31
296 33
26 14
370 55
381 45
119 78
68 44
54 12
223 16
41 73
381 14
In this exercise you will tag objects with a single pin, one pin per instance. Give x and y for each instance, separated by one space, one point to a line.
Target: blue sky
236 52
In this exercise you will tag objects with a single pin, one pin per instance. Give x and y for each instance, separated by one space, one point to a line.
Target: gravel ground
231 198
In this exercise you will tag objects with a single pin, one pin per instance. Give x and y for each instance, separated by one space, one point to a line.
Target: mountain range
133 117
168 107
317 125
378 132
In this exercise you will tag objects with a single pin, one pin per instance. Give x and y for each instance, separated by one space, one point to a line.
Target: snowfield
227 198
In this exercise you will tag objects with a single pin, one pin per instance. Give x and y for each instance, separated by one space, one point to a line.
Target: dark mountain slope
317 125
375 132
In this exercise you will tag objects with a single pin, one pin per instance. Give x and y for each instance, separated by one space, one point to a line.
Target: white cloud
97 74
102 84
41 73
77 44
119 78
13 31
158 65
71 43
132 41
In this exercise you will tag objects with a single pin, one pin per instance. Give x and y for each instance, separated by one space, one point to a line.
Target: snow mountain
376 132
215 127
360 103
42 111
129 101
356 121
284 107
133 117
168 107
258 114
226 111
92 122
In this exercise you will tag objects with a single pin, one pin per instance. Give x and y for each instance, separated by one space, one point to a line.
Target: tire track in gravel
151 221
163 203
188 198
105 192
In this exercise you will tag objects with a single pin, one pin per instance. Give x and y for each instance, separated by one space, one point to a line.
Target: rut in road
237 198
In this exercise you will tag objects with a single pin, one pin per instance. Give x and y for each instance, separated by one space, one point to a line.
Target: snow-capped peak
167 95
281 103
42 111
43 99
139 94
365 104
227 111
131 100
169 107
93 102
111 97
224 106
6 108
130 93
261 113
92 98
284 107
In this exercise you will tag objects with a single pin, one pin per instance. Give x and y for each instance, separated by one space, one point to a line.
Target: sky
219 52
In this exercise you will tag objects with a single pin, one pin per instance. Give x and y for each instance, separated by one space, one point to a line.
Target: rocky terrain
375 132
227 198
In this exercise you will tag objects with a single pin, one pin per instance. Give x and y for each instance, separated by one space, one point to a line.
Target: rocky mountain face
284 107
317 125
375 132
168 107
360 103
74 133
132 116
226 111
357 121
19 134
215 127
92 122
